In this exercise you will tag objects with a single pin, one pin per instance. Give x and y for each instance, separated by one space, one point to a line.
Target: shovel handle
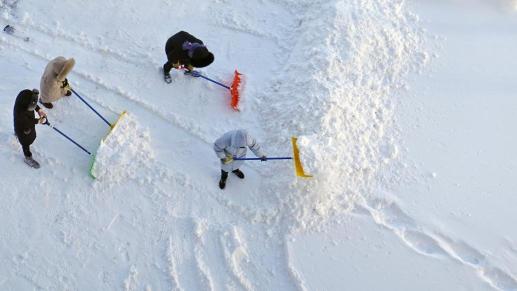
258 159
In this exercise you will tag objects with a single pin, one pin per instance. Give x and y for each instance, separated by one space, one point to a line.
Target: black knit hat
201 57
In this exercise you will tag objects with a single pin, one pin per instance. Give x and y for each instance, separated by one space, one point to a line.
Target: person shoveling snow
232 145
185 50
25 121
54 83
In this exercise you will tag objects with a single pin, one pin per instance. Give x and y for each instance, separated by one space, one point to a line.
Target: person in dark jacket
25 122
184 50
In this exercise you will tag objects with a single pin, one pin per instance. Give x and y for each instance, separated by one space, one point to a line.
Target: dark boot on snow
32 163
238 173
47 105
222 182
167 78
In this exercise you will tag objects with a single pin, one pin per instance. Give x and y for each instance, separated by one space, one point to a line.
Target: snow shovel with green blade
112 128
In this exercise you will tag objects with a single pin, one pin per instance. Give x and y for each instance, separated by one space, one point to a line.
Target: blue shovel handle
258 159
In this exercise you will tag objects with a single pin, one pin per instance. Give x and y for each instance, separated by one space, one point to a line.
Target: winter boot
31 162
167 78
222 182
47 105
238 173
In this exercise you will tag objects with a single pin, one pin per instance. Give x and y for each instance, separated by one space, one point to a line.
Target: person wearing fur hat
54 83
234 144
183 49
25 122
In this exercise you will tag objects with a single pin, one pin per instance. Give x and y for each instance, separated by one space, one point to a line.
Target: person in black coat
25 121
183 49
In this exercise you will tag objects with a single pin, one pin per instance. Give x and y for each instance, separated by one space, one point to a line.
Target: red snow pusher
234 87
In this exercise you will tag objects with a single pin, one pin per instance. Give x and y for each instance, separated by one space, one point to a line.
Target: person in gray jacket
234 144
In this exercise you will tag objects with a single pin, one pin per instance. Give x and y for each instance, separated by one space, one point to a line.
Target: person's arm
219 145
40 112
255 146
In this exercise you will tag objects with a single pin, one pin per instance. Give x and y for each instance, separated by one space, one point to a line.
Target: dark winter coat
176 53
24 120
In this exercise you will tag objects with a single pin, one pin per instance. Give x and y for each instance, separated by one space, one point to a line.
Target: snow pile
124 153
348 61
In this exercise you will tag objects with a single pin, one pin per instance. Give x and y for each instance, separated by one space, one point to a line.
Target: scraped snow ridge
125 153
339 88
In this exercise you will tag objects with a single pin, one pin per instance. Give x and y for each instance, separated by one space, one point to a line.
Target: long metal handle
67 137
258 159
87 104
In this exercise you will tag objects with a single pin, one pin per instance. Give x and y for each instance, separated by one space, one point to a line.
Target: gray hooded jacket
235 143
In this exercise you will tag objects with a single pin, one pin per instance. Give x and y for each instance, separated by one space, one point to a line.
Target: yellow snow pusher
298 168
94 156
112 127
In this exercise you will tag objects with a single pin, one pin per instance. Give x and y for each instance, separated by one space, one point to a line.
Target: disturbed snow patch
337 92
125 153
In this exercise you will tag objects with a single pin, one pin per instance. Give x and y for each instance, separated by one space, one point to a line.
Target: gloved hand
42 113
263 158
177 65
65 84
195 73
227 160
68 93
42 120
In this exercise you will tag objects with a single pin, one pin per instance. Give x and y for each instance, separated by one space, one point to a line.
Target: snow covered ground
404 112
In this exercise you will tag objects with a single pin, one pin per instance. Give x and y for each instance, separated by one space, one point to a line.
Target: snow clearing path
328 71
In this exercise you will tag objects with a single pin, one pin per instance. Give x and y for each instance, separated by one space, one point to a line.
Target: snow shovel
89 106
296 158
234 88
67 137
112 127
92 159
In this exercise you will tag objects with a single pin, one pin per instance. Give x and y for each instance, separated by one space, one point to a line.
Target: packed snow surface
124 153
333 73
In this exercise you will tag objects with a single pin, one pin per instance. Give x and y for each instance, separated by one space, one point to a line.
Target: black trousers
224 175
26 146
27 150
167 67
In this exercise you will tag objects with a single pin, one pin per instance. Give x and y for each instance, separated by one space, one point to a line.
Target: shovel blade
296 158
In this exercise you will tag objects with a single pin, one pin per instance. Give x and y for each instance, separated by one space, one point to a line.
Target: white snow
403 112
125 153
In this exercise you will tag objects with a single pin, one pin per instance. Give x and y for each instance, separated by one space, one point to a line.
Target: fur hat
63 67
201 57
25 98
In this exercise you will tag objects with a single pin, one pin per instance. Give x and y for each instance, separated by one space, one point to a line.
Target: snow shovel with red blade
234 88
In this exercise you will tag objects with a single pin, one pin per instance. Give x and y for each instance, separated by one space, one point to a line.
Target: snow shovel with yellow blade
112 128
298 168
